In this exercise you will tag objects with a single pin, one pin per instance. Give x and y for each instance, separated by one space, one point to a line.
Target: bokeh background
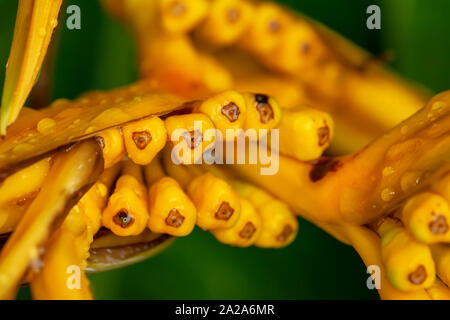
101 56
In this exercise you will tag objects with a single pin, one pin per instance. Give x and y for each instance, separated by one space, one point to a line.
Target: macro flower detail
114 177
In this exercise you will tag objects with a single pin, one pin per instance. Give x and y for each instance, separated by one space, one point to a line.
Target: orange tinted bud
144 139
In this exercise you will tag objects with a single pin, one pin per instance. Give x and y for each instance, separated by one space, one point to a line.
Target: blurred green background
101 56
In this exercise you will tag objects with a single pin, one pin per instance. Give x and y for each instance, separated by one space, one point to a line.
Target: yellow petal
34 27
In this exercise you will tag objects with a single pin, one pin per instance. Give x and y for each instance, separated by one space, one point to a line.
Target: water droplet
111 115
23 148
53 23
404 130
438 105
388 171
387 194
90 130
102 189
410 180
59 102
45 125
404 149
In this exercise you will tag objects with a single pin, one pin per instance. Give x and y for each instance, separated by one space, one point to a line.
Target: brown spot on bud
123 219
177 8
248 231
175 218
439 224
274 26
224 212
284 235
324 135
100 141
233 15
231 111
322 166
418 276
305 47
264 108
27 199
261 98
142 139
193 138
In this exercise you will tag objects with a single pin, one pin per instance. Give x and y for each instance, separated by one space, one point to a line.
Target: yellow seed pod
227 110
17 192
170 209
439 291
218 205
154 171
215 76
92 205
226 21
441 255
442 186
111 141
245 231
299 50
190 135
72 171
171 61
70 244
65 253
181 16
279 225
288 92
257 197
268 24
10 215
263 112
409 264
305 134
427 217
94 201
24 182
144 139
126 212
183 174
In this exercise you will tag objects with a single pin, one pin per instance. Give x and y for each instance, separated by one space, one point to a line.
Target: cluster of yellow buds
145 186
196 46
112 177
